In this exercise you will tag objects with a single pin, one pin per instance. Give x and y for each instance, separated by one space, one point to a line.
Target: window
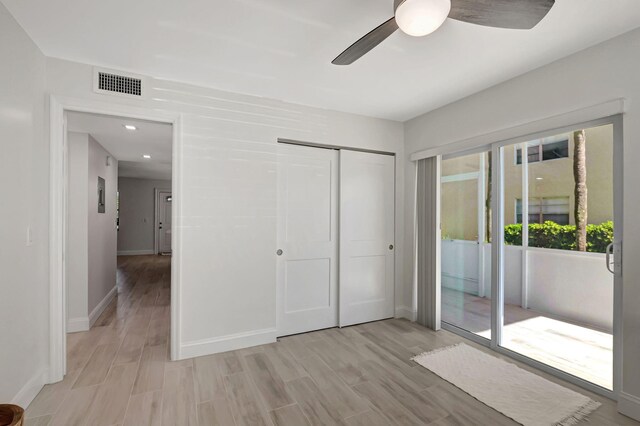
555 209
542 150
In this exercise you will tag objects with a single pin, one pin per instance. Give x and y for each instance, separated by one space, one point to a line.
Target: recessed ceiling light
147 156
539 178
130 127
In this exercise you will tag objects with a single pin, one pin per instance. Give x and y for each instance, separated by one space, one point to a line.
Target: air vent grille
119 84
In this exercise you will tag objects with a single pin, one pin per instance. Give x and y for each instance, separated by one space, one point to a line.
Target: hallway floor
119 373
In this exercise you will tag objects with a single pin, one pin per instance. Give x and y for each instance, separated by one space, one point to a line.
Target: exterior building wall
459 197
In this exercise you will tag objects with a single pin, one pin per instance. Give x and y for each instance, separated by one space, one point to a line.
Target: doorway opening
116 283
112 295
162 237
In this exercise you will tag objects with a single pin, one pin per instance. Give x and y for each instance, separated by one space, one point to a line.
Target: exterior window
555 209
542 151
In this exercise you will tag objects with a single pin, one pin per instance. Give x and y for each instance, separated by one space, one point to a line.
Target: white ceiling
128 146
140 170
282 49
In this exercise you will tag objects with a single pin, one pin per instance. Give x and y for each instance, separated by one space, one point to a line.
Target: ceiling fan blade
366 43
515 14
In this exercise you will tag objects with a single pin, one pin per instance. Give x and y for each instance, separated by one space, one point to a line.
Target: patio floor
573 348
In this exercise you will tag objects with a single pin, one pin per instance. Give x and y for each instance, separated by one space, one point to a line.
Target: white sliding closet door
307 239
367 220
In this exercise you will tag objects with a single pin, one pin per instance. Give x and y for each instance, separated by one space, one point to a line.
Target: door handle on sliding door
608 253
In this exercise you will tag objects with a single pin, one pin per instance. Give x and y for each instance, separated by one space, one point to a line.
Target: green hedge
552 235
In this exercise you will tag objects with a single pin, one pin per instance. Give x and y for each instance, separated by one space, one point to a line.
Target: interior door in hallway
164 222
367 221
307 270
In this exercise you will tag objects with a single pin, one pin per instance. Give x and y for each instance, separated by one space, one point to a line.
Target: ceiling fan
421 17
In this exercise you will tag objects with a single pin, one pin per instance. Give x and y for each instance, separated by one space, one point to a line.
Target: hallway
124 353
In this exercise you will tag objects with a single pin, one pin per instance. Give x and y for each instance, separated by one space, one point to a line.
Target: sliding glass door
529 253
465 249
558 218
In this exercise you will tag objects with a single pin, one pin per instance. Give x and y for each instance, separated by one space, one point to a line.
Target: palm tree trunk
580 177
487 202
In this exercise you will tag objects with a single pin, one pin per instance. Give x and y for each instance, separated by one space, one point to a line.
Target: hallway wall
102 246
77 232
91 236
137 213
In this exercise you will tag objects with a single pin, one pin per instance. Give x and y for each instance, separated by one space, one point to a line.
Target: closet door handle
390 246
279 252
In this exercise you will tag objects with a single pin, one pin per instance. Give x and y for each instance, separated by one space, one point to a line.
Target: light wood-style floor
119 373
576 349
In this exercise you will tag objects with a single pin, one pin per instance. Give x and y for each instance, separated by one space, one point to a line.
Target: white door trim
57 214
156 220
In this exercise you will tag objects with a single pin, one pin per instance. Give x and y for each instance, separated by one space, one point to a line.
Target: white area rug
523 396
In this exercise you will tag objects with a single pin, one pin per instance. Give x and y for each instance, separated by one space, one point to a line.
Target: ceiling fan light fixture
421 17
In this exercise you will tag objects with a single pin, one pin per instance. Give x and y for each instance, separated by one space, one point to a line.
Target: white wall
24 297
77 232
137 212
565 284
571 285
607 71
102 246
227 196
460 261
91 236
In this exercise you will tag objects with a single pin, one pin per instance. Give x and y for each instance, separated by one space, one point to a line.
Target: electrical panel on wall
101 195
118 83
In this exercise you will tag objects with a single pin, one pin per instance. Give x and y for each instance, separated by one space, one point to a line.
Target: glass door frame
497 251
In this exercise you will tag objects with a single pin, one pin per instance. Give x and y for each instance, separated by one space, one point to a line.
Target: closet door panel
367 221
307 293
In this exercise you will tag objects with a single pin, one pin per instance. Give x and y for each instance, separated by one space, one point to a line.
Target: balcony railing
570 285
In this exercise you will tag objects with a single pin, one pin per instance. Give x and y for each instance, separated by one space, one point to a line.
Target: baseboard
629 405
227 343
75 325
97 311
406 312
29 391
135 252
